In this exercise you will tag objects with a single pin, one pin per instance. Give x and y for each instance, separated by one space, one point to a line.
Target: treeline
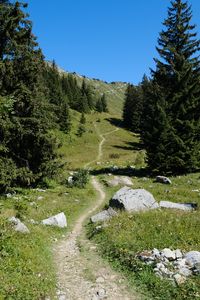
165 109
34 99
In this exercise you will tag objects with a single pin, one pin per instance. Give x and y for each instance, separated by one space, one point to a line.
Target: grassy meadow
128 234
27 270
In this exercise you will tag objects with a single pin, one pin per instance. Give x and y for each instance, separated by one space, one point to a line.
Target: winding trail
81 273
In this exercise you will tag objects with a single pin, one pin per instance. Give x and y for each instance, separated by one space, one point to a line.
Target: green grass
27 270
128 234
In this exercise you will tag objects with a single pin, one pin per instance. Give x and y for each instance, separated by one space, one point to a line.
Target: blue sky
113 40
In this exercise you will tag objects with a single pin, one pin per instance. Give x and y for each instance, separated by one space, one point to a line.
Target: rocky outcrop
172 264
133 200
58 220
18 225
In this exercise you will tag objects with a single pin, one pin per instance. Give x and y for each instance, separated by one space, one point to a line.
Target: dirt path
81 273
103 139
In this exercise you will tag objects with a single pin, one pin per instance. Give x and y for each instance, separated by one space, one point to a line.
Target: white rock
179 279
163 179
180 263
104 215
18 225
185 271
173 205
40 198
120 180
40 190
156 253
58 220
32 221
70 179
168 253
192 259
178 254
100 280
133 200
9 195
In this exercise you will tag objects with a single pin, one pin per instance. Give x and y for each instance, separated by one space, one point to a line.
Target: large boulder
133 200
58 220
173 205
18 225
104 215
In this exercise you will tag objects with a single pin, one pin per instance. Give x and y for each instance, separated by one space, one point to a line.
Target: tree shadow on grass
131 146
117 122
127 171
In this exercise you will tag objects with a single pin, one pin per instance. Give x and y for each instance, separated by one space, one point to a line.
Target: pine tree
30 149
133 107
104 103
99 106
83 119
171 131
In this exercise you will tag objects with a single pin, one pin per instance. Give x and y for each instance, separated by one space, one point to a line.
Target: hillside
114 91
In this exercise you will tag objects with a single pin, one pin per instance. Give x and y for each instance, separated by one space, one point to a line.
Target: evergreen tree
133 106
64 118
104 103
81 127
171 131
99 106
83 119
26 144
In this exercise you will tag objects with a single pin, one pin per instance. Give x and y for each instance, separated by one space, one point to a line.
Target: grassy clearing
118 148
128 234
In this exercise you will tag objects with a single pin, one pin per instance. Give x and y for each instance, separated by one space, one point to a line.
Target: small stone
156 253
39 198
178 254
58 220
179 279
9 195
179 206
192 258
163 179
101 293
18 225
41 190
100 280
180 262
185 271
168 253
146 256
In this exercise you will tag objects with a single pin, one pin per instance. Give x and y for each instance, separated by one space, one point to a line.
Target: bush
114 155
8 173
79 179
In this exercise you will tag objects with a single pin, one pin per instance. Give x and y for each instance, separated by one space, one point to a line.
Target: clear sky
113 40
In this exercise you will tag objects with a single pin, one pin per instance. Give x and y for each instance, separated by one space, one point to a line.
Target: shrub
79 179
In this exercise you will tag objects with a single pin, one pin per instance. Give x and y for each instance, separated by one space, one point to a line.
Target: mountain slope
114 91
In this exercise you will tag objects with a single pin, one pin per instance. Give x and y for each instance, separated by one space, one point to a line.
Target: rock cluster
172 264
